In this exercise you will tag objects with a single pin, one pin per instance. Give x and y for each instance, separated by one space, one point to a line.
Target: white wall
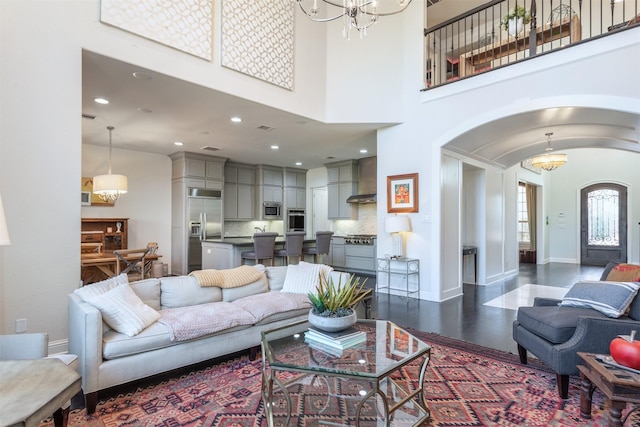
148 202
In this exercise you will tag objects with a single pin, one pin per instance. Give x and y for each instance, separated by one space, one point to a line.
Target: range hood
367 181
362 198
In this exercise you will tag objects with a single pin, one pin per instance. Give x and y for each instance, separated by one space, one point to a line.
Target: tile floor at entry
484 314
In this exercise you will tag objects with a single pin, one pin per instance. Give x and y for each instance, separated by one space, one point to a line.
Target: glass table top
387 346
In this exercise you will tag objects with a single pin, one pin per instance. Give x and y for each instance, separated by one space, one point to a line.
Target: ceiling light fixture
355 14
549 161
364 150
236 119
275 147
109 187
298 163
178 143
101 101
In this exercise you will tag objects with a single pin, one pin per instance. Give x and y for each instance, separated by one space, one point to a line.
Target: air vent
210 148
88 116
265 128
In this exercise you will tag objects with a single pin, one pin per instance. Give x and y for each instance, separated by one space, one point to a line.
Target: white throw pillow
303 278
99 288
124 311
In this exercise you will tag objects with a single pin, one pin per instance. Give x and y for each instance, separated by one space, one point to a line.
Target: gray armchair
555 334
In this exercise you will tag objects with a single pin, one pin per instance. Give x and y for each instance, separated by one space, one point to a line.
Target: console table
570 27
403 267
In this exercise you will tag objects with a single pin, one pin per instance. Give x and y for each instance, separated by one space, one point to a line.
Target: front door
603 222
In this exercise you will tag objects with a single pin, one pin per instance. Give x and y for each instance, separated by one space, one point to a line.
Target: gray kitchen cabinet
296 198
295 186
239 192
360 258
342 179
337 258
271 184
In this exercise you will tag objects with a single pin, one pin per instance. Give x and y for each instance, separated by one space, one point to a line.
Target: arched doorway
603 224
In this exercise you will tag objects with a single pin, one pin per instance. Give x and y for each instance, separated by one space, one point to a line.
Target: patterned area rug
466 385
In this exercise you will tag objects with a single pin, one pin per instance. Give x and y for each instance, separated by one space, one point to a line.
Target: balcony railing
483 39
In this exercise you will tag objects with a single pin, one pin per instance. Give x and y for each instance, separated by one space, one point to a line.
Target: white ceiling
199 117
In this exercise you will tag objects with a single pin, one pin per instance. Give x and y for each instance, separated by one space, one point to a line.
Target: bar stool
263 247
323 242
292 246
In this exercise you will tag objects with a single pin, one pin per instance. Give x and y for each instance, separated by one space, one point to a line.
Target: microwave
271 211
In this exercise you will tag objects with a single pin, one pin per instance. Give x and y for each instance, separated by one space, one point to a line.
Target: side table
620 386
406 267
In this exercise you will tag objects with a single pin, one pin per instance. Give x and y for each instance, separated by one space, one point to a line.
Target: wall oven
295 220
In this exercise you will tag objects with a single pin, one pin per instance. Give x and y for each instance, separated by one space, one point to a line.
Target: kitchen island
226 252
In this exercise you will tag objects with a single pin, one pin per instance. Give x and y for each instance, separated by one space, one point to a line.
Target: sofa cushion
182 291
262 306
123 311
148 290
624 273
553 323
304 277
115 344
634 308
99 288
259 286
610 298
276 276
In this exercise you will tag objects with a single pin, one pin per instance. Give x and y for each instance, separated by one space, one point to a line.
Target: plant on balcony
514 15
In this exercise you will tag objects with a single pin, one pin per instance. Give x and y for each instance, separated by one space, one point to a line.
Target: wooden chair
132 262
263 247
323 243
292 246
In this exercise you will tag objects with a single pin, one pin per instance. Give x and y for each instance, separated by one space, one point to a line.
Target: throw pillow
607 269
624 273
609 298
123 311
99 288
304 277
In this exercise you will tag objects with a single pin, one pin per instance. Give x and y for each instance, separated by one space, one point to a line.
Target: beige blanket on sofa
231 278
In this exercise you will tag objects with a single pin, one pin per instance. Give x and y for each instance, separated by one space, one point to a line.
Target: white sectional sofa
109 358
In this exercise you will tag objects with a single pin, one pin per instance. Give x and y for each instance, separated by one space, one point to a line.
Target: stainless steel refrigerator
204 211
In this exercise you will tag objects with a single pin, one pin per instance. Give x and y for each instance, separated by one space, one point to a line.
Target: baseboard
58 347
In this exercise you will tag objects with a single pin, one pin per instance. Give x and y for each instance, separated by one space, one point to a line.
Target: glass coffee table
373 373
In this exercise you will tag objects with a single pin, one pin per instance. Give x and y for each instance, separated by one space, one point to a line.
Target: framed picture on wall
85 198
402 193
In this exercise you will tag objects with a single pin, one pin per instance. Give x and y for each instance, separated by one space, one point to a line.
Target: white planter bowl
332 324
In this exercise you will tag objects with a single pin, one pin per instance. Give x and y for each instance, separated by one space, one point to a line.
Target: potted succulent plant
513 21
332 306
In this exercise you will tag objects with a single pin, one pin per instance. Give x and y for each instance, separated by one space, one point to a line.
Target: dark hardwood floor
465 317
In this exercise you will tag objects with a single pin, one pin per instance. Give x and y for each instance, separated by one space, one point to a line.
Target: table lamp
396 225
4 233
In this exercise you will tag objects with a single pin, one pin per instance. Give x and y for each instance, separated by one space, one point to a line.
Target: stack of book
334 342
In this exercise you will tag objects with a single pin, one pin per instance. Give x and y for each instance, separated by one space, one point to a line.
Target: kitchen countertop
247 241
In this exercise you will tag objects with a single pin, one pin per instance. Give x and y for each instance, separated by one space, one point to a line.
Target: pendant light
110 186
549 161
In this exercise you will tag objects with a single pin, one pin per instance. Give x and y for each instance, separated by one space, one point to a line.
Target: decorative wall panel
185 25
257 39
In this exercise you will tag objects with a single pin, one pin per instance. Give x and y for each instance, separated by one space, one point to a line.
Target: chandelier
109 187
355 14
549 161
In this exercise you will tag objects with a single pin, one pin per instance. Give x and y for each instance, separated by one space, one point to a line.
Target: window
523 218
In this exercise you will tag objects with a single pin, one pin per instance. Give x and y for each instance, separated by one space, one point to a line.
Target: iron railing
483 39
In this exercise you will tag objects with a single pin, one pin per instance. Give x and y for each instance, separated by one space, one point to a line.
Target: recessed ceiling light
364 150
178 143
101 100
145 110
236 119
298 163
275 147
142 75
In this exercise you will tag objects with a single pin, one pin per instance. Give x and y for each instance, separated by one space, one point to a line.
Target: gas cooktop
360 239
